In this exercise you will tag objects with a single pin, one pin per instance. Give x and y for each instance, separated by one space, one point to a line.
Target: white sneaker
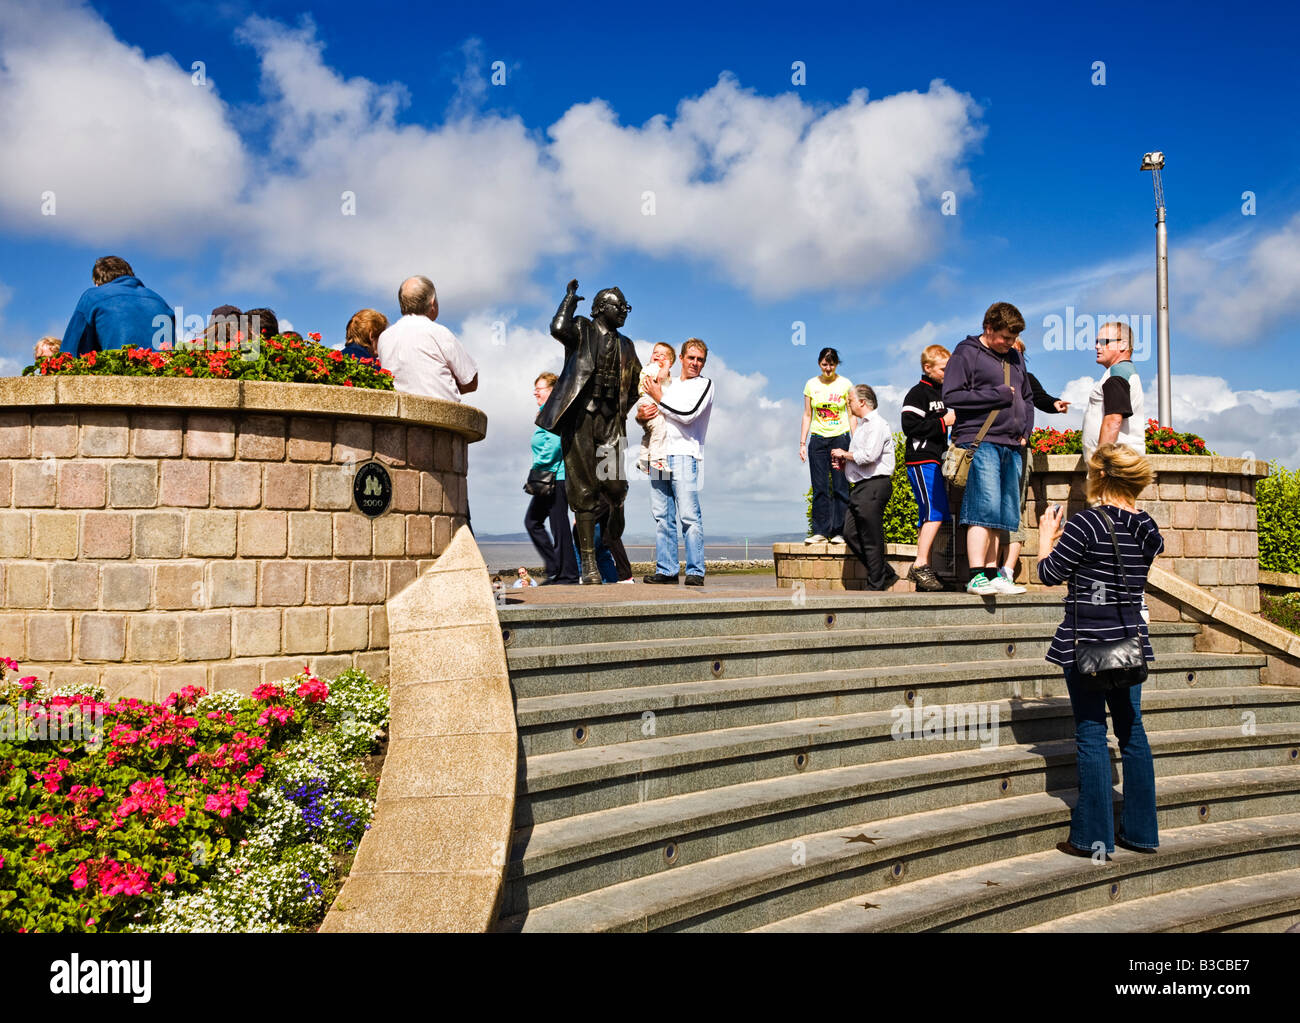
1004 577
626 582
815 538
982 585
837 539
1000 585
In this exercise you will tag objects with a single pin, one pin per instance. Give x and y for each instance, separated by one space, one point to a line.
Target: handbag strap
1123 575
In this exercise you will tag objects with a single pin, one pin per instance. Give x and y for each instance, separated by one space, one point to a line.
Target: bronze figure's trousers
593 465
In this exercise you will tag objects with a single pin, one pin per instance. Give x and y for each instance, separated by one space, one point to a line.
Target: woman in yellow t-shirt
826 408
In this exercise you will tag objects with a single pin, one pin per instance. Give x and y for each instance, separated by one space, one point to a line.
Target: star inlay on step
870 905
861 838
992 884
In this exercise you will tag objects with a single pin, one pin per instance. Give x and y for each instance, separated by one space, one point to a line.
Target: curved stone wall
156 533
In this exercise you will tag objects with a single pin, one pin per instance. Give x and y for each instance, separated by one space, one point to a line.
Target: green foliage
1278 501
278 358
1283 610
900 512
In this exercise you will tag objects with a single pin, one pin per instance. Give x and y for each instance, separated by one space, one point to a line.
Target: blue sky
773 202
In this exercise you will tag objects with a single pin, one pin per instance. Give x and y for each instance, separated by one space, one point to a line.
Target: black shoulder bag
540 482
1113 664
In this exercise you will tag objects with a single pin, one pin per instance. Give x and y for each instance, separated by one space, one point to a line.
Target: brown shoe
923 578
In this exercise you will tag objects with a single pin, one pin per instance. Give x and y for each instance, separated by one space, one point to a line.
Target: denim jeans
830 489
992 496
678 495
1094 813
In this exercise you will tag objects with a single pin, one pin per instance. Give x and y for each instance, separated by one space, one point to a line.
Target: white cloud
782 196
128 145
1234 290
779 195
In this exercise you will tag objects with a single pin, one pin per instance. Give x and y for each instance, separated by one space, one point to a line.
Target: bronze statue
588 410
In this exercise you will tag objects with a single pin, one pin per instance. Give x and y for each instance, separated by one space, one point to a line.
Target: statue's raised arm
562 327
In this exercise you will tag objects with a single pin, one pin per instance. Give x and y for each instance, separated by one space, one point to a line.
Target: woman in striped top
1083 554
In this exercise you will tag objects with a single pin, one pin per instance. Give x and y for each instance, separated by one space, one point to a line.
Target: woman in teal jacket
556 550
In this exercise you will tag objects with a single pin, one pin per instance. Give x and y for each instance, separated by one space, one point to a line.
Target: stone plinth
156 533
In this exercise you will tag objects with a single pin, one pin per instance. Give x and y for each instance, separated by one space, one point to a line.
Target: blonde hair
694 342
550 378
1116 470
48 345
672 355
932 354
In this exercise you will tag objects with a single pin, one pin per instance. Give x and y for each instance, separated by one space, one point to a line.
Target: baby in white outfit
660 370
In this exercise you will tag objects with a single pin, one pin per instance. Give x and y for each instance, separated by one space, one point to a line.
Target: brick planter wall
1204 506
156 533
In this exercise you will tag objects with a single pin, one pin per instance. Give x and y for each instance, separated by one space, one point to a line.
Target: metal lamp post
1155 162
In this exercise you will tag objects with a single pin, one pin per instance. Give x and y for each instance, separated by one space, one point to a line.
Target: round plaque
372 489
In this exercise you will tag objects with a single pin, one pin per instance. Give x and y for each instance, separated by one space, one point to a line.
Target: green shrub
1278 501
1283 610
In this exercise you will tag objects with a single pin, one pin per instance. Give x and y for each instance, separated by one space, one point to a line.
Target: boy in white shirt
869 468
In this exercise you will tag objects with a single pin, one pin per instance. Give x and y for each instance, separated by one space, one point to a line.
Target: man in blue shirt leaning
117 311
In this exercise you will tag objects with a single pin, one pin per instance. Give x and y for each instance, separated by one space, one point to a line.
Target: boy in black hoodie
925 427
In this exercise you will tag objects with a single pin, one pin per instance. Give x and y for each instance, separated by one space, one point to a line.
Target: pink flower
173 815
267 691
281 714
78 876
314 690
9 663
90 922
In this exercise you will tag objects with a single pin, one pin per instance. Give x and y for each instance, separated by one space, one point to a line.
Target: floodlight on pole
1155 162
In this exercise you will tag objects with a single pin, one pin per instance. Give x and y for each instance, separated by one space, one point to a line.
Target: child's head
934 360
663 354
47 346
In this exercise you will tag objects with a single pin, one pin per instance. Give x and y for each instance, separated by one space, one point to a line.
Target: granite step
580 854
818 881
565 721
571 668
543 625
1026 890
555 785
1261 899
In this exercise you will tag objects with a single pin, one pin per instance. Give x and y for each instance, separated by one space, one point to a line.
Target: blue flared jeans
1094 813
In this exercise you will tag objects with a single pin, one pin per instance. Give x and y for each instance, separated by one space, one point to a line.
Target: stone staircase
736 765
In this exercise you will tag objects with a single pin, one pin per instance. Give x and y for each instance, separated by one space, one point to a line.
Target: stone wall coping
435 856
1215 464
1264 633
1281 580
241 395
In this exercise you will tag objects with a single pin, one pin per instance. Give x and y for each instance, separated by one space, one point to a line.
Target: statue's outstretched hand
572 289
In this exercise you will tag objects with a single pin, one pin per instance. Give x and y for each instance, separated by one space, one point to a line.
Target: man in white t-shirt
424 356
1114 414
686 404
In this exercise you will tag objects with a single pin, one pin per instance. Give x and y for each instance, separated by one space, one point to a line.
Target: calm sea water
502 556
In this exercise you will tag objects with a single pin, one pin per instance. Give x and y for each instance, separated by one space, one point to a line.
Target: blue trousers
1094 816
